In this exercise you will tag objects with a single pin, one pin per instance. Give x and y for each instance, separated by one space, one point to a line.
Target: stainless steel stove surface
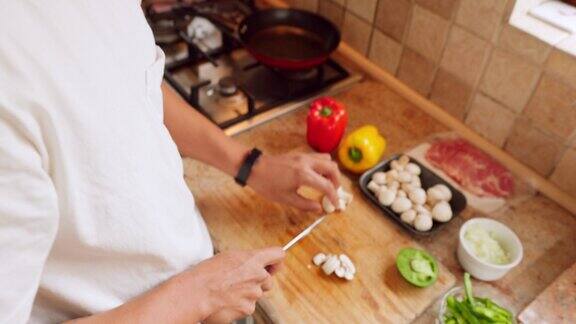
222 81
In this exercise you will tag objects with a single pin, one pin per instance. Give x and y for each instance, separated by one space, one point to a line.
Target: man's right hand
217 290
234 281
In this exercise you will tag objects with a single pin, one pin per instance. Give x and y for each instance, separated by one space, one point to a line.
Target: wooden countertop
547 231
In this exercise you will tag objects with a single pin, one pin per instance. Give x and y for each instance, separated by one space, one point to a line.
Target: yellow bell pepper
362 149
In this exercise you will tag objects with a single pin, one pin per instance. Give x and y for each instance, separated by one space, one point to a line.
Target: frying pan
288 39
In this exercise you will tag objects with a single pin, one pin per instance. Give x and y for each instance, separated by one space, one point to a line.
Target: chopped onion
485 246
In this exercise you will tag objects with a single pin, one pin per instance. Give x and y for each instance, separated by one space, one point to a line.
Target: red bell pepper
327 120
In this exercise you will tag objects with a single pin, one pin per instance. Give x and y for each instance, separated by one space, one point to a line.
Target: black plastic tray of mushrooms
428 179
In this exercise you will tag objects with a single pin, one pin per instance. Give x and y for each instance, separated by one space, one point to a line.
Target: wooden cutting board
240 219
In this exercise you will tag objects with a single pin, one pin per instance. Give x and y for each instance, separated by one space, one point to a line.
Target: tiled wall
510 87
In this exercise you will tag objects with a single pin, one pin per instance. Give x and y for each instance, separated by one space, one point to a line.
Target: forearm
171 302
198 138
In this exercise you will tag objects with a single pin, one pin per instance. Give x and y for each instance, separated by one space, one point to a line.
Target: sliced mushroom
344 198
327 205
331 264
318 259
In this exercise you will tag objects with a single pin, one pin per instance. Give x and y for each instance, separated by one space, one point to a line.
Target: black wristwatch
246 168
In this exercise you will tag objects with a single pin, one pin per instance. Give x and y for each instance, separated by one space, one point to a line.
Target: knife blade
303 234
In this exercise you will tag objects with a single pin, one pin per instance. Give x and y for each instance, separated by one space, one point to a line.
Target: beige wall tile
444 8
392 17
363 8
332 11
564 175
563 65
509 79
385 52
553 107
427 33
490 119
465 55
416 71
310 5
533 147
515 40
482 17
356 32
450 93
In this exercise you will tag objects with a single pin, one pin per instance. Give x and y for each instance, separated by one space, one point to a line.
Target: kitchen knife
303 234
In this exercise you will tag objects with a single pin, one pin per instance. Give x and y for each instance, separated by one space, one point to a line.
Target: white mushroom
379 177
442 212
331 264
391 176
404 176
373 186
418 196
408 216
348 276
423 222
416 182
407 186
434 195
344 198
401 204
395 165
445 192
421 209
340 272
327 205
318 259
401 193
394 185
413 168
386 197
347 264
404 160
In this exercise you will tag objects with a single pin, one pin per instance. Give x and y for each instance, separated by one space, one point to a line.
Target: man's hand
235 281
279 177
220 289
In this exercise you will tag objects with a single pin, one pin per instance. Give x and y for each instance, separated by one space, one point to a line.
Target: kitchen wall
510 87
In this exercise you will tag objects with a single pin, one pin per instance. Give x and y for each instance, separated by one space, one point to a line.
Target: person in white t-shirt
96 221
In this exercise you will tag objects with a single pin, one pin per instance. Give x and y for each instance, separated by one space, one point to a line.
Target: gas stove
209 68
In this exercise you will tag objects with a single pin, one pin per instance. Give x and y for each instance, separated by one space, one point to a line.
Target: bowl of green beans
461 306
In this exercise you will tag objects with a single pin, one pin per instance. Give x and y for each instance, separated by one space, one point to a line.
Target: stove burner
227 86
300 75
225 83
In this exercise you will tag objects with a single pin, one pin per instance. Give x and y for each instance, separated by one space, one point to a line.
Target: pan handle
228 29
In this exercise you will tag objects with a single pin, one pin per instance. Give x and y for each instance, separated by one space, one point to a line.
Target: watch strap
246 167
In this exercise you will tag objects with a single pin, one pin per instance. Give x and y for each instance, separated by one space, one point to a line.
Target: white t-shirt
94 209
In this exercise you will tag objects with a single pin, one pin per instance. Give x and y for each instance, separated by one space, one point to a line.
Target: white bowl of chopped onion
488 249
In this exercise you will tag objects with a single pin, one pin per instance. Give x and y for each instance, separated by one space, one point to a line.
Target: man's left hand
279 177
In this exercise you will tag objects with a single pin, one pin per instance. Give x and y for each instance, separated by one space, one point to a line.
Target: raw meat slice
473 169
